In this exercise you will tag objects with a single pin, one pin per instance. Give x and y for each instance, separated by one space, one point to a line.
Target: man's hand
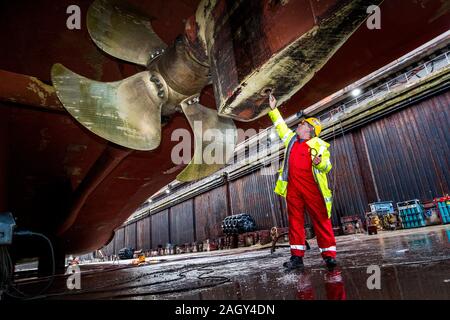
317 160
272 101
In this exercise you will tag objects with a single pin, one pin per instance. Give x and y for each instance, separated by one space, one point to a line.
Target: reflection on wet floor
418 281
413 264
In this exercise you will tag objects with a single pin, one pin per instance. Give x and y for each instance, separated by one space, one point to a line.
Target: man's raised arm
282 129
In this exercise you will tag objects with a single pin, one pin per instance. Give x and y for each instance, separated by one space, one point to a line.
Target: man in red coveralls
303 182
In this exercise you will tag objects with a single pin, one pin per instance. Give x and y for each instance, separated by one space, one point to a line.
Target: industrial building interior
144 144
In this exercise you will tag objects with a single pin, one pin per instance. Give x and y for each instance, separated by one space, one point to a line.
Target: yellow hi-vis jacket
319 171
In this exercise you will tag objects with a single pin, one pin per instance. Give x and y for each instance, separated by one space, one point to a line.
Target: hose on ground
6 269
18 294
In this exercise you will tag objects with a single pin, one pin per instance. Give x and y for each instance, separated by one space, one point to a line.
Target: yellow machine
140 259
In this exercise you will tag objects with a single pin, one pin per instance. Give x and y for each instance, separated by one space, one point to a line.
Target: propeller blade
122 33
126 112
215 140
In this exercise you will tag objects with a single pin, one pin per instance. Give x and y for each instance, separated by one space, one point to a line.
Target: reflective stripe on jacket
319 171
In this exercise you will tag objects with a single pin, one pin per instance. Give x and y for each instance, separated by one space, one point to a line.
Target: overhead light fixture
167 190
356 92
150 200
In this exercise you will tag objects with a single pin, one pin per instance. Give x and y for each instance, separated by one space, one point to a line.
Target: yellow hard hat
316 124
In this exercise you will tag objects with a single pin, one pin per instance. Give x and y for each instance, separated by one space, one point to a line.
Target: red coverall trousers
304 193
334 286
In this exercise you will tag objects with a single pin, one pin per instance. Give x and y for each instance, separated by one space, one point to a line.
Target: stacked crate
431 213
444 208
411 214
382 207
351 224
388 219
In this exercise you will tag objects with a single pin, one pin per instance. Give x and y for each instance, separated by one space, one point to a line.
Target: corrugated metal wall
409 151
143 234
119 240
345 179
253 194
402 156
182 223
210 210
160 229
130 235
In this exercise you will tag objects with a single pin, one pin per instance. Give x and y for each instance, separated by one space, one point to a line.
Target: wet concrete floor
413 264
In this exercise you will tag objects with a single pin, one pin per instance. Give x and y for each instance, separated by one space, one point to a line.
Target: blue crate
411 214
382 207
444 208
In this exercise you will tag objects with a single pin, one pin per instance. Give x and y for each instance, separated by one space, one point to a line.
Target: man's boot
294 263
330 262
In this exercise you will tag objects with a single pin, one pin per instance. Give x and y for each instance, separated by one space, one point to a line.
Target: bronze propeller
128 112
